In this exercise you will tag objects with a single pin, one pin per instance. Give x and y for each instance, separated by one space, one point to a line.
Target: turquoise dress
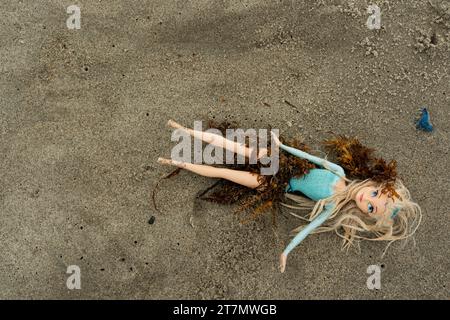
317 184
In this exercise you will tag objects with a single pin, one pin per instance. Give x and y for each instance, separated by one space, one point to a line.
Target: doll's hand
275 139
283 259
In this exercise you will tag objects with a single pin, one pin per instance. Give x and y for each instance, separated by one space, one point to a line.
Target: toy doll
365 202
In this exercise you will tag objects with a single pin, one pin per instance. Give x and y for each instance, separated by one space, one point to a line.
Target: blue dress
317 184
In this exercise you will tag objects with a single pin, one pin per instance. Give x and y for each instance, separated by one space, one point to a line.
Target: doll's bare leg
219 141
244 178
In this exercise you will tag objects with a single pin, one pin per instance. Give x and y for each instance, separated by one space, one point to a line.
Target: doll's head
364 211
371 200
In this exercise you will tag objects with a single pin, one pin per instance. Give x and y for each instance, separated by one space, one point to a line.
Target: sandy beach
83 117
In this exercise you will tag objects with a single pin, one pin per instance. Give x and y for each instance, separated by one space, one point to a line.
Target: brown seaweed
359 162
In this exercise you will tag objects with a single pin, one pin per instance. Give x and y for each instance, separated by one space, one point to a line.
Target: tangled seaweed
359 162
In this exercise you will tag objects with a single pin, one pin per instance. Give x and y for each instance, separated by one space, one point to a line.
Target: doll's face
370 200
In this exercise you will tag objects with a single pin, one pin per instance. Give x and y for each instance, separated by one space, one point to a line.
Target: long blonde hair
351 224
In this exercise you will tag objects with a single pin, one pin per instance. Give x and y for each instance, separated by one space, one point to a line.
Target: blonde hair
351 224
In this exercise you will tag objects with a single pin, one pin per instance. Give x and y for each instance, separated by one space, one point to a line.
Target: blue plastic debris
424 123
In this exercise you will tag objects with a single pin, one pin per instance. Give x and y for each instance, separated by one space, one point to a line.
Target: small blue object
424 122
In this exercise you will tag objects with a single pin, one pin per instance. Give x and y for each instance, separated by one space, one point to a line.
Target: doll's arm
310 227
316 160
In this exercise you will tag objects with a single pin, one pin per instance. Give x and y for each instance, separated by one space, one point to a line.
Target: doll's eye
370 208
374 193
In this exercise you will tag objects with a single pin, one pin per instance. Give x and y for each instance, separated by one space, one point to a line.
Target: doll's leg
244 178
219 141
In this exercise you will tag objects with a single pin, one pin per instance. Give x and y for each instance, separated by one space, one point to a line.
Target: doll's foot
174 124
171 162
165 161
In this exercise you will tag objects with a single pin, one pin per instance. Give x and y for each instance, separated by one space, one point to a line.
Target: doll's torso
317 184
